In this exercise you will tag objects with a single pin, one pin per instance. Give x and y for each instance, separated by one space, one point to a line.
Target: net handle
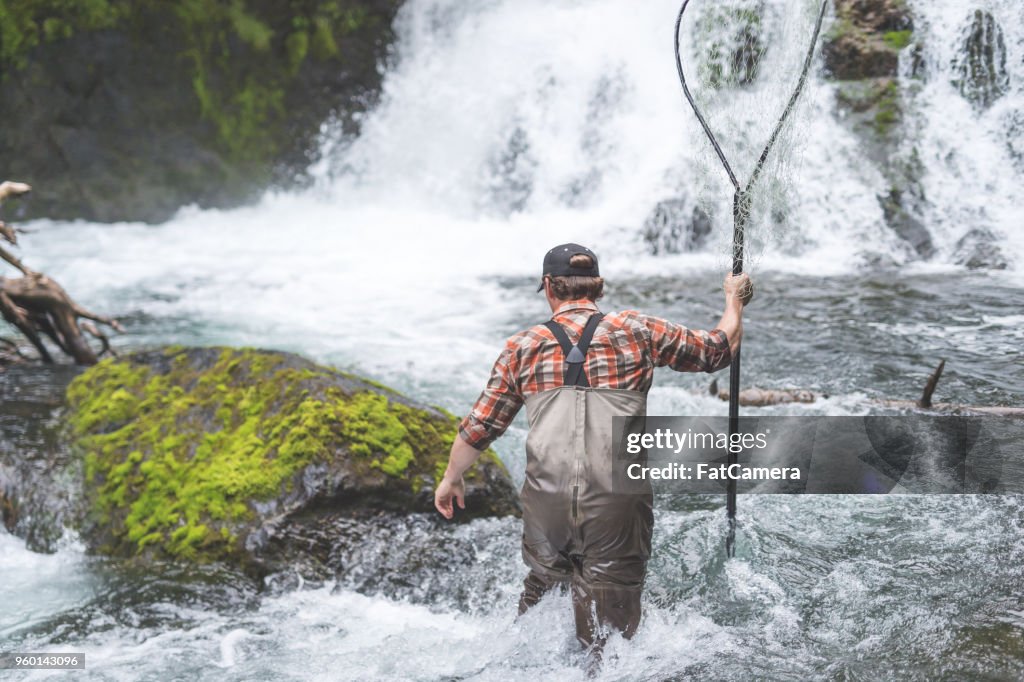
740 210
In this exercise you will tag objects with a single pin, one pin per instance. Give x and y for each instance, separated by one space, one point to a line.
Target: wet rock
866 39
676 226
210 454
39 489
129 110
979 250
905 224
981 67
874 107
862 51
1014 123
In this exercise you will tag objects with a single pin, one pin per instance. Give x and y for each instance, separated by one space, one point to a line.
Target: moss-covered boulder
866 38
207 454
862 53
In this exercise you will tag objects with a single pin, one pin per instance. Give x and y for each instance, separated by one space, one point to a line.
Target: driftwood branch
758 397
39 308
926 398
762 397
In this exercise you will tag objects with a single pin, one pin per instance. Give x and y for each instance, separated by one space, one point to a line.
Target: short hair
575 287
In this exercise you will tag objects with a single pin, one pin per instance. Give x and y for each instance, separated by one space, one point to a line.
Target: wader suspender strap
576 355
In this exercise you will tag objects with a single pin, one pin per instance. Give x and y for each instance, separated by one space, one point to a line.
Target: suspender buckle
575 355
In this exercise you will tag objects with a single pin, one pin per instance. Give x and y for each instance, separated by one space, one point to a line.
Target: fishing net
743 61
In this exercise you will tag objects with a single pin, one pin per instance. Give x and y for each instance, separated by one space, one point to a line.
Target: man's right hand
450 489
739 287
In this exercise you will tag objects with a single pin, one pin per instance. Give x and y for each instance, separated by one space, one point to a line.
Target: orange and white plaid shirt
626 348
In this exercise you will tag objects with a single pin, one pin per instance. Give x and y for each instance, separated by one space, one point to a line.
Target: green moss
25 24
248 28
297 45
240 67
324 44
843 27
176 457
889 110
898 40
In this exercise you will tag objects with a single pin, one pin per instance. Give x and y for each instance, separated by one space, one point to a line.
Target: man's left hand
448 490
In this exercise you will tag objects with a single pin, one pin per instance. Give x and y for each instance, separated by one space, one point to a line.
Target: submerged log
759 397
763 397
38 307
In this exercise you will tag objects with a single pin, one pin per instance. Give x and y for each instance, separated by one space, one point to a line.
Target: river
417 252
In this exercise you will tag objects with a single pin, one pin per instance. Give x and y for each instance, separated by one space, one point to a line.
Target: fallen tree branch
39 307
763 397
758 397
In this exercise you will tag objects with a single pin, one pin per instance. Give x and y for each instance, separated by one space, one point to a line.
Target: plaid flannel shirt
626 348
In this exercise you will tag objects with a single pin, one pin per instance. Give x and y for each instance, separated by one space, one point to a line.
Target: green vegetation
898 40
889 108
241 66
878 100
24 24
841 28
175 457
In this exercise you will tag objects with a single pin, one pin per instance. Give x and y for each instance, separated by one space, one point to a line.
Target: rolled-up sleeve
497 405
687 350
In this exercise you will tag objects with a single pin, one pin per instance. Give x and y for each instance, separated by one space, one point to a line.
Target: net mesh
743 60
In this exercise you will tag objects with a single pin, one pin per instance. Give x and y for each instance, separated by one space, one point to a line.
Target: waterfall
973 151
506 126
539 113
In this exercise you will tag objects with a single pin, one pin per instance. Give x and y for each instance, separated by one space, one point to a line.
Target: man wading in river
574 374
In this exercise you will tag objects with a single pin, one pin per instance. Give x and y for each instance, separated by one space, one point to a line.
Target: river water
507 127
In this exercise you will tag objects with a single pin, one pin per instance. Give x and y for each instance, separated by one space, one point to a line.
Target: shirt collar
569 306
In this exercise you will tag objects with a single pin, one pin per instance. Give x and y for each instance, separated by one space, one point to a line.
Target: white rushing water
974 158
507 126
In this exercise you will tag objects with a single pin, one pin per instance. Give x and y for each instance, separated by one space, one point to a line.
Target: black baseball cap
556 263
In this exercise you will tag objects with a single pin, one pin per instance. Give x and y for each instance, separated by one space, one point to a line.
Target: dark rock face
904 223
866 39
981 69
1014 123
862 52
979 249
39 489
130 111
676 226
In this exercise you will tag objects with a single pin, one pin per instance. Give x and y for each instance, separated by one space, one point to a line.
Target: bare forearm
462 456
732 322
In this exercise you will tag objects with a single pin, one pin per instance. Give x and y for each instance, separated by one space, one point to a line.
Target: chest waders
580 530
